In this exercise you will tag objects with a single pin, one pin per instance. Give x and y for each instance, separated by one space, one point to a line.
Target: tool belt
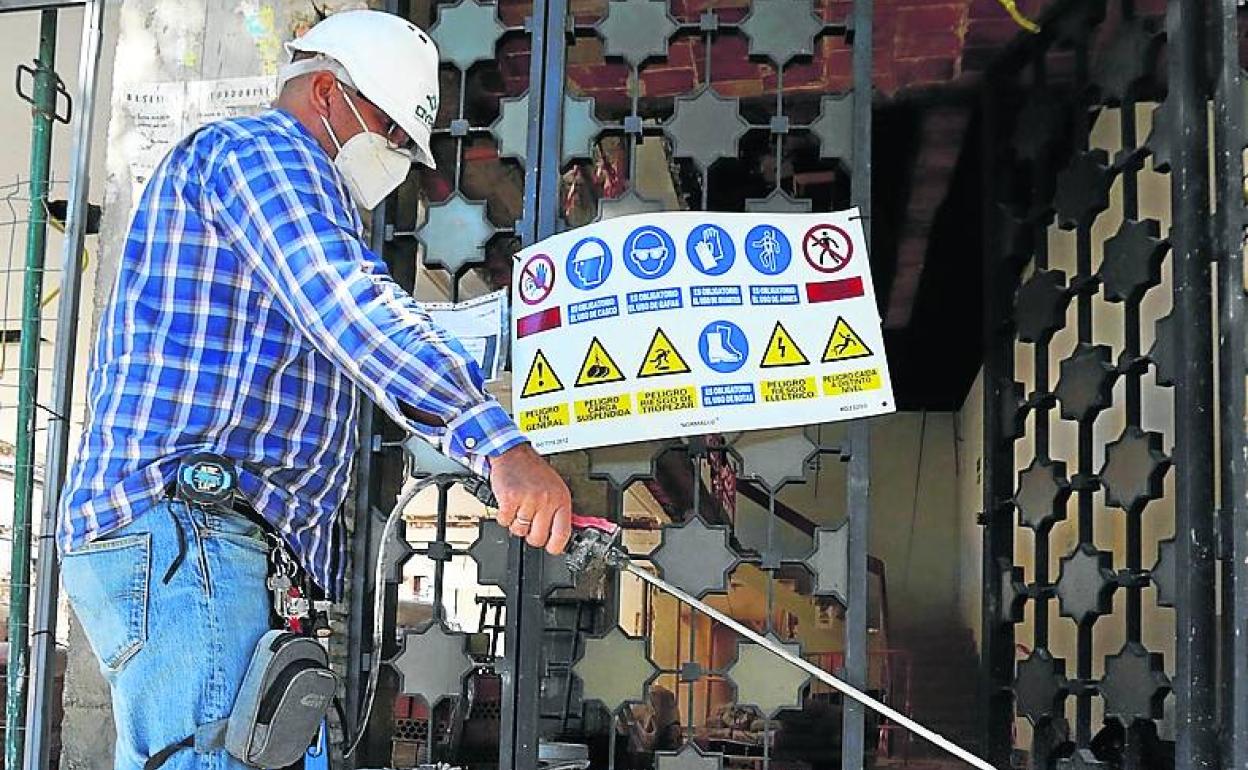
289 687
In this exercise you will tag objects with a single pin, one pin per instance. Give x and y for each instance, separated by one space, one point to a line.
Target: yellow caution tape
1011 7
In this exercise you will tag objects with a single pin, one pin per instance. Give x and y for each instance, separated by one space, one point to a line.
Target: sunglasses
393 132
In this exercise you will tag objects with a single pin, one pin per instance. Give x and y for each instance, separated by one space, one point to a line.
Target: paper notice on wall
157 118
481 327
209 100
160 114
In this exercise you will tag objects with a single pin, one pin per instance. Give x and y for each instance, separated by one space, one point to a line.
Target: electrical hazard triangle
542 378
844 344
782 350
662 358
598 368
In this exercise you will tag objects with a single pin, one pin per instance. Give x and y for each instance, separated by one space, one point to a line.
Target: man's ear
321 91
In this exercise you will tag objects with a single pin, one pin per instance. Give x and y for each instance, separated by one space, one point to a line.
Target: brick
667 82
680 51
912 72
730 60
936 30
741 88
512 12
606 77
801 74
838 60
587 50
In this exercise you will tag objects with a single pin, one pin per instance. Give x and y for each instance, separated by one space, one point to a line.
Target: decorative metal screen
554 115
1099 593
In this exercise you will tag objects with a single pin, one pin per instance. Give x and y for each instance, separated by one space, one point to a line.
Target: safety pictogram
844 344
662 358
767 250
537 279
827 248
598 368
542 378
782 350
723 346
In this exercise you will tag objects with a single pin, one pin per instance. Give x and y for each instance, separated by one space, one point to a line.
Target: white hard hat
391 61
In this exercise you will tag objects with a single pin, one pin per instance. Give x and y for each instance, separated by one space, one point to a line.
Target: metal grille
1098 398
617 133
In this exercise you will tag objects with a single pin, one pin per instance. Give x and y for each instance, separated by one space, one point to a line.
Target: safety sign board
685 323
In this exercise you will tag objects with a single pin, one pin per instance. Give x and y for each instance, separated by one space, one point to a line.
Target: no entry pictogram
827 248
537 279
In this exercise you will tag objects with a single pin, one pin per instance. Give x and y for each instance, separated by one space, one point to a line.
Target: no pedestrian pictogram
827 248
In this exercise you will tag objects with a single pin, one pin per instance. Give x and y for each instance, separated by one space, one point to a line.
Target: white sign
480 325
676 324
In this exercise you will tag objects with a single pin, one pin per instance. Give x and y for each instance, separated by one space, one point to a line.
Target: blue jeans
174 653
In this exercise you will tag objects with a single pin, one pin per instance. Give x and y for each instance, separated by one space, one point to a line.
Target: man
247 310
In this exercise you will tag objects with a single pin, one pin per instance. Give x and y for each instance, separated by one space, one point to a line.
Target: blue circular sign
589 264
768 250
723 346
649 252
710 249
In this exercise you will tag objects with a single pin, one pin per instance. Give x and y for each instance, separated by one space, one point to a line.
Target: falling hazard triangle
782 350
844 344
542 378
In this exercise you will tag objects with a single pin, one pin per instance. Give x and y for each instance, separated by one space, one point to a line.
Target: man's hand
533 501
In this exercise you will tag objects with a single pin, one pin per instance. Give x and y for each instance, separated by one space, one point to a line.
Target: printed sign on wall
684 323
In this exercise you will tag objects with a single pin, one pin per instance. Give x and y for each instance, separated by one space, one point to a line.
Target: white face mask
371 167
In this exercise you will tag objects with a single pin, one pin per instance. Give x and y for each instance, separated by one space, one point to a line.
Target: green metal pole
27 392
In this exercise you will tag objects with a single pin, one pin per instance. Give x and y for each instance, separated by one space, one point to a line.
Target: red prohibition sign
537 279
827 248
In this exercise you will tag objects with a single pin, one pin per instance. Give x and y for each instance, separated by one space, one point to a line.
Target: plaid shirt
246 311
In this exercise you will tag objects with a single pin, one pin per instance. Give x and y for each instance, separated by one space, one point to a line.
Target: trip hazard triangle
598 368
542 378
662 358
844 344
782 350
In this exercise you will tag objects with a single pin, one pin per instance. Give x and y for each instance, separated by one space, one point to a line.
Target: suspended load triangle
599 367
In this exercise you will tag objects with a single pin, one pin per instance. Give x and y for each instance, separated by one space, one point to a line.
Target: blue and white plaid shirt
246 310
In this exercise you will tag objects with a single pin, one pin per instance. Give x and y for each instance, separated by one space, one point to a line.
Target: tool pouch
287 691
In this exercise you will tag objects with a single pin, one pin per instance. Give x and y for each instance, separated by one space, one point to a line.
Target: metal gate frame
1211 700
380 463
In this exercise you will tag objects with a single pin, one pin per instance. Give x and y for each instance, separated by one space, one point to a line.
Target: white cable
810 668
379 587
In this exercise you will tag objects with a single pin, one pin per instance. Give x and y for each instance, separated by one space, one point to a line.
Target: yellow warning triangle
844 344
661 358
598 368
782 350
542 378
